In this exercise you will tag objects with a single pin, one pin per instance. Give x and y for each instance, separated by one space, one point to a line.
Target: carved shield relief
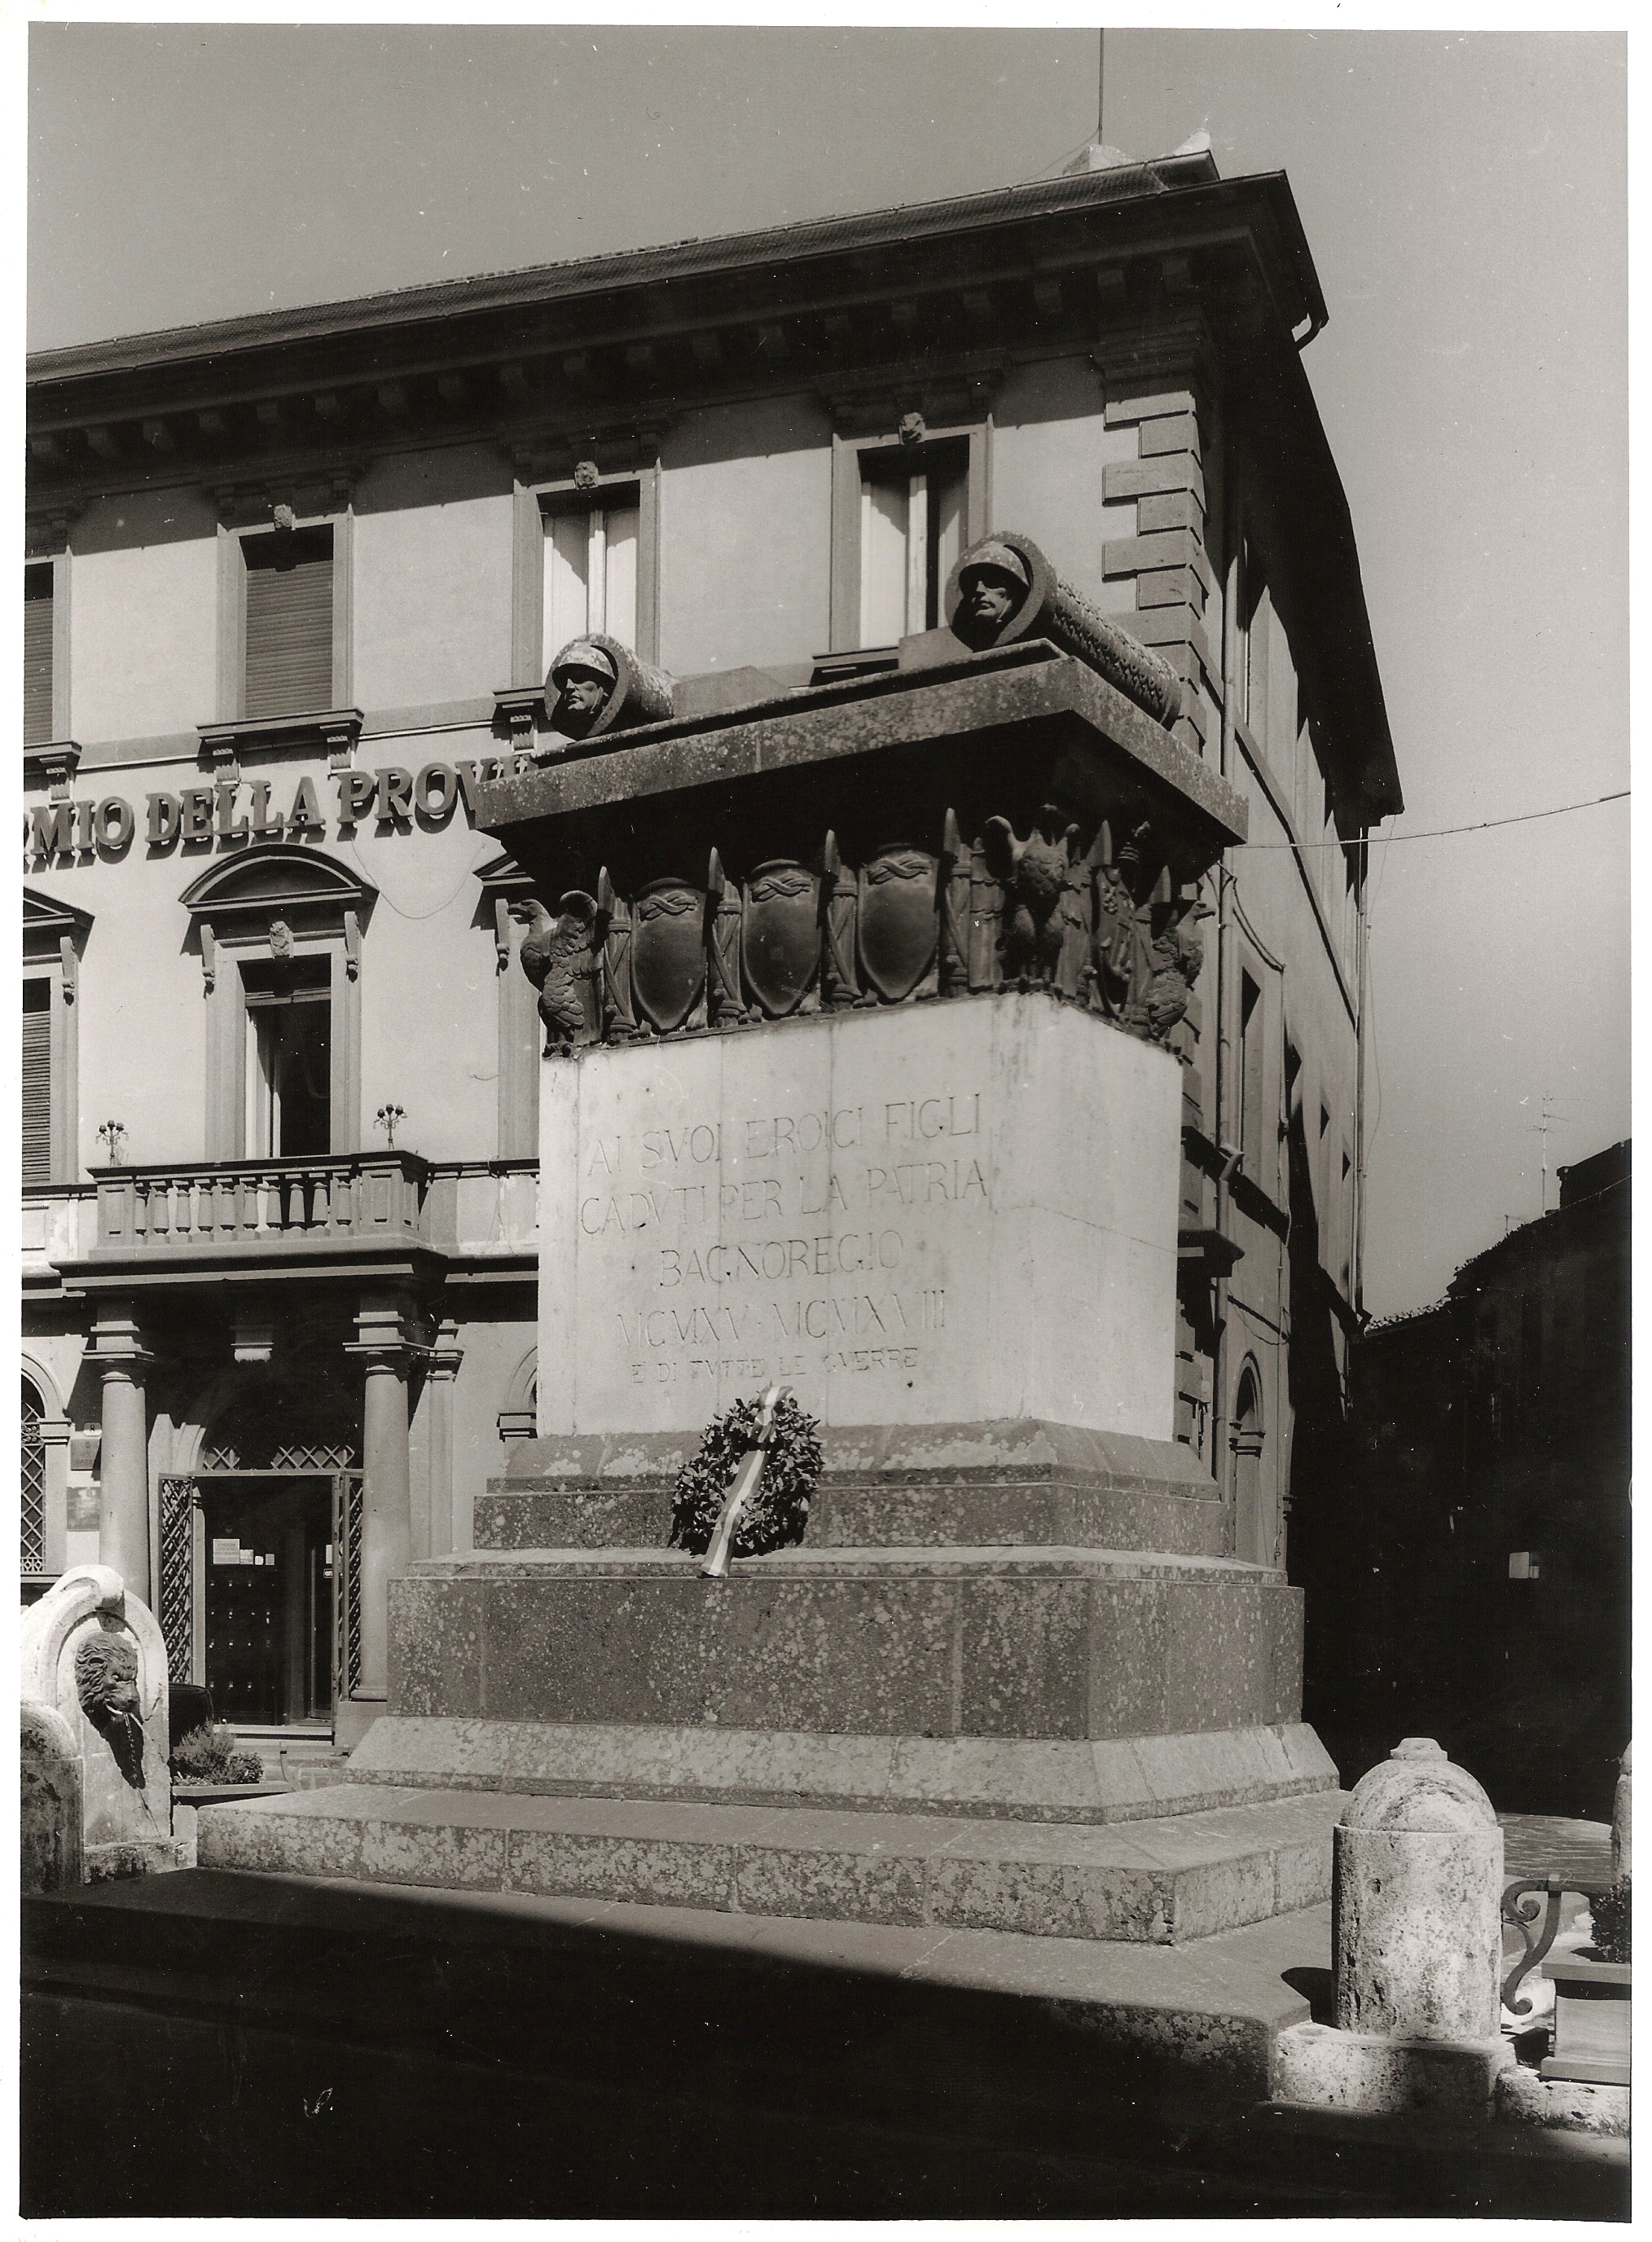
897 920
780 936
668 951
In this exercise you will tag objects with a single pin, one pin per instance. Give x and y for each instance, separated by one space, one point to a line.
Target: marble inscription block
922 1215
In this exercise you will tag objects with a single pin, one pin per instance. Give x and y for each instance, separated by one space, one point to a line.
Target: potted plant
1592 2000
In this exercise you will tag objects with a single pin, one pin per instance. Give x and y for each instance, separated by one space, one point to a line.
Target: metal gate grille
177 1575
34 1489
346 1573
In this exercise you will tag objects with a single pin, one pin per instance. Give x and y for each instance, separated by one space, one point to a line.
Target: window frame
58 560
521 1037
849 478
231 611
261 1005
534 498
324 907
54 940
230 1038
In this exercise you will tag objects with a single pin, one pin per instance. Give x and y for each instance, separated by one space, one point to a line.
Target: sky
1465 198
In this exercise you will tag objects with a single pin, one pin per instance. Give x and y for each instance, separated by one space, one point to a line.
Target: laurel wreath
777 1512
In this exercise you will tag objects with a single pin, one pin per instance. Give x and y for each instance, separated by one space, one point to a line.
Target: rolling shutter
37 1084
37 654
289 622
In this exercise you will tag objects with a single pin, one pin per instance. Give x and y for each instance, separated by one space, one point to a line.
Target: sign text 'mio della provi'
232 809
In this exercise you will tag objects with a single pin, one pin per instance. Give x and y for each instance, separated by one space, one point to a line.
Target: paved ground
1579 1852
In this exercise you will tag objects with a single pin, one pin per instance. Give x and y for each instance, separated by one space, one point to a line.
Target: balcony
263 1206
383 1213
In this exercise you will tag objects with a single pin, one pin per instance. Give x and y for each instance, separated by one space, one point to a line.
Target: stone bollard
94 1686
1621 1820
1416 1897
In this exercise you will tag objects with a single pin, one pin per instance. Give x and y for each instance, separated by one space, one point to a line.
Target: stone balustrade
253 1204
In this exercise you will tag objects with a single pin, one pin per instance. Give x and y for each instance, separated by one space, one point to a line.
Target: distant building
1480 1586
292 583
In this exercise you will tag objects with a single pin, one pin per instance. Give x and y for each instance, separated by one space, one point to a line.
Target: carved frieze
1107 928
1003 588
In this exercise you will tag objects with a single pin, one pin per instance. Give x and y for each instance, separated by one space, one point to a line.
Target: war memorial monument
812 1686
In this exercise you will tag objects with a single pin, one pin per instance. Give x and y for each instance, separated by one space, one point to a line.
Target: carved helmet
584 653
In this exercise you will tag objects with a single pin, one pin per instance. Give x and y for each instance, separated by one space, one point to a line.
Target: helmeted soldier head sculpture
584 677
993 582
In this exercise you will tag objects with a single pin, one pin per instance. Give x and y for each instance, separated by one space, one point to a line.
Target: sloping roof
764 248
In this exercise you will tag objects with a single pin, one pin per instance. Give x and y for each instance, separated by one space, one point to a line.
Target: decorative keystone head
912 429
285 519
585 475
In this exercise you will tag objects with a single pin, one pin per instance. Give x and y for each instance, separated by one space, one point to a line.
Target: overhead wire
1438 832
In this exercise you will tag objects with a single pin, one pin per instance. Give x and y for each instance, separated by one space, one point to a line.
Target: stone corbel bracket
55 764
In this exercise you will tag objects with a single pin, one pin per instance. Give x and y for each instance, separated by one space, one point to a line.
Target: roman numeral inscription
816 1243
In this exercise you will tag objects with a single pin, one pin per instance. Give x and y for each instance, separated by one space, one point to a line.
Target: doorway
269 1600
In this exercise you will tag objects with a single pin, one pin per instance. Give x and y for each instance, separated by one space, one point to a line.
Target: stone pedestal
94 1689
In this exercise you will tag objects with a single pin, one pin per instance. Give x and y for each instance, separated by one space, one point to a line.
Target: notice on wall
850 1205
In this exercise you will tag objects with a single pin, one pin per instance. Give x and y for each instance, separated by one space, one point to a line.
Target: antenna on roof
1101 82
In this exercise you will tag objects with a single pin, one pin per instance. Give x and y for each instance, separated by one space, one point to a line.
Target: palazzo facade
292 585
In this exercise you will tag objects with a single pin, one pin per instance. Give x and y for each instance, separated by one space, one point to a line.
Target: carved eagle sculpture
1033 873
557 957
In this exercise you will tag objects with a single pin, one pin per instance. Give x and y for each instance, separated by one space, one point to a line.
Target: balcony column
387 1344
123 1542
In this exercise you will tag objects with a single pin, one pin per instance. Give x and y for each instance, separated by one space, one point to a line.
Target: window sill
335 730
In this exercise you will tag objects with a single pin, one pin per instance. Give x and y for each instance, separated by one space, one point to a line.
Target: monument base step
1018 1480
1062 1642
1159 1882
1136 1778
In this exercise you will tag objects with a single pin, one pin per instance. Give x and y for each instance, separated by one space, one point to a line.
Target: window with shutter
37 1084
912 525
591 569
289 621
37 606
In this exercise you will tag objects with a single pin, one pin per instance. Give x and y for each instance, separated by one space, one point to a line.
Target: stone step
1164 1881
514 1515
965 1485
1071 1642
1120 1779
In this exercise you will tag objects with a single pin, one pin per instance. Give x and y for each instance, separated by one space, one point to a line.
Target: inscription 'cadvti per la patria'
809 1258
